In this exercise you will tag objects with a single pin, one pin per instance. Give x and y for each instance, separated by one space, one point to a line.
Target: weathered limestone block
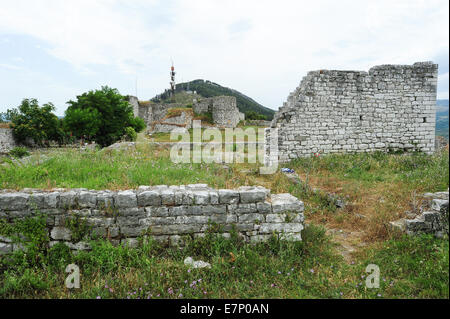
201 197
68 199
13 201
5 248
286 202
61 233
87 199
105 200
228 196
126 198
264 207
251 218
149 198
167 197
250 194
267 228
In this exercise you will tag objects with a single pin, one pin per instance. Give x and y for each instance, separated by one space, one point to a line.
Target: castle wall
168 214
391 107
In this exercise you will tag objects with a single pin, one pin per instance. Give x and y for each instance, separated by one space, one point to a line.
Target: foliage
101 116
130 134
29 120
19 152
252 115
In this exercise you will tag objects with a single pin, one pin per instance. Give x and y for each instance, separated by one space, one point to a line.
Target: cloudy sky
56 50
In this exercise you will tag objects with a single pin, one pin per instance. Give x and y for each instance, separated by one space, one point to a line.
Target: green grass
410 268
109 169
429 172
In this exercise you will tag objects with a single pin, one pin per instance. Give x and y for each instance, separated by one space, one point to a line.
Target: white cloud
261 48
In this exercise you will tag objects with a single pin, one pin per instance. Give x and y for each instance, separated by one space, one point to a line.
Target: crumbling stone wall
7 141
168 214
223 110
391 107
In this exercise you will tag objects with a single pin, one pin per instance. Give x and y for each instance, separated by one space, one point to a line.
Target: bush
101 116
130 134
19 152
252 115
30 120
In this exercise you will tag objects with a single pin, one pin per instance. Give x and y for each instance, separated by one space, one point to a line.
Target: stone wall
7 141
224 111
168 214
391 107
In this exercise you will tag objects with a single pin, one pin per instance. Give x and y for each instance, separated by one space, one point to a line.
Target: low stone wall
168 214
7 141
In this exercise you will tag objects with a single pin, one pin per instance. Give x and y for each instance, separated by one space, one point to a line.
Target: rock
87 199
5 248
228 196
13 201
250 194
126 199
398 225
130 242
149 198
286 202
437 203
196 264
60 233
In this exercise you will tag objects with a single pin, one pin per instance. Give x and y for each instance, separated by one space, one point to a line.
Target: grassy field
330 262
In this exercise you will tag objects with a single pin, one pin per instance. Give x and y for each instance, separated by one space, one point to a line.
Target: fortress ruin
222 110
389 108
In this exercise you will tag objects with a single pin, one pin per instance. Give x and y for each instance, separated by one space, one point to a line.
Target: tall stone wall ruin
223 110
391 107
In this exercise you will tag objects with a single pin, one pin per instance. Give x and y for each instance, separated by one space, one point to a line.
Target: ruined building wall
391 107
225 112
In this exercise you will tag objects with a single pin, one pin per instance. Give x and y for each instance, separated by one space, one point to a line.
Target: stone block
149 198
13 201
126 198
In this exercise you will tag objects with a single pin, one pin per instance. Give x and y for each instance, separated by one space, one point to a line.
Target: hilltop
207 88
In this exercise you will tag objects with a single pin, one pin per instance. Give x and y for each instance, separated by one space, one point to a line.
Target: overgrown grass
275 269
109 169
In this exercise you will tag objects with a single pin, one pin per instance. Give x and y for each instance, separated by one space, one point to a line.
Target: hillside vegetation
207 88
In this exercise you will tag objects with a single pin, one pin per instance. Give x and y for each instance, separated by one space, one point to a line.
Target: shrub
19 152
130 134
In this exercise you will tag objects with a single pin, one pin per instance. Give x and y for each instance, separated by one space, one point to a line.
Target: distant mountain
442 118
207 88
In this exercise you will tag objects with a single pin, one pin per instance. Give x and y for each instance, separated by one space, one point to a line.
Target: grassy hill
207 88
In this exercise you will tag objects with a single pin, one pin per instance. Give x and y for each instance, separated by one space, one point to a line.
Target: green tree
101 116
29 120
